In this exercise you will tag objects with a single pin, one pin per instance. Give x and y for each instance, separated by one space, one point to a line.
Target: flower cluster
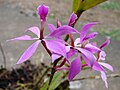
87 52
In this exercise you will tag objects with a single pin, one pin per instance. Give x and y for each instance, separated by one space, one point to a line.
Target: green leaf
76 4
45 86
87 4
56 81
82 5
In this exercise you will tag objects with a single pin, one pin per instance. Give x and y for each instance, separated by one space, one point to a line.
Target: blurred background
18 15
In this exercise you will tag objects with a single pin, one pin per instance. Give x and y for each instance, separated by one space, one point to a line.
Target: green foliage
45 86
76 5
56 81
111 5
82 5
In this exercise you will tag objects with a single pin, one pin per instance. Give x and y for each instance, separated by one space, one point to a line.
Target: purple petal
72 19
98 67
104 78
68 48
86 60
22 38
108 66
63 30
56 47
71 53
29 52
55 57
85 29
102 55
75 68
90 36
35 30
77 42
88 55
92 48
43 11
107 42
51 28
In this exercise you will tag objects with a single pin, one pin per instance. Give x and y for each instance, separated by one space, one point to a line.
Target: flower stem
43 43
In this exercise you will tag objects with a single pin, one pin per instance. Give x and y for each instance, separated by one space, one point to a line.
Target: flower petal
29 52
108 66
88 55
68 48
90 36
71 53
75 68
98 67
104 78
43 11
92 48
102 55
63 30
56 47
107 42
51 28
72 19
55 57
22 38
77 42
85 29
35 30
86 60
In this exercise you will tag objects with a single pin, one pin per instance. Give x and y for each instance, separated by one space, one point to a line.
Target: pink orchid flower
53 45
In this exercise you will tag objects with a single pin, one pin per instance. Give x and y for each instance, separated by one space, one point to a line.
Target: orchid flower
57 32
42 11
83 52
52 45
99 64
85 49
57 47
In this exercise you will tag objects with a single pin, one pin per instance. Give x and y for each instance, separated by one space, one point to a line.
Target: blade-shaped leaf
82 5
56 81
87 4
76 4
